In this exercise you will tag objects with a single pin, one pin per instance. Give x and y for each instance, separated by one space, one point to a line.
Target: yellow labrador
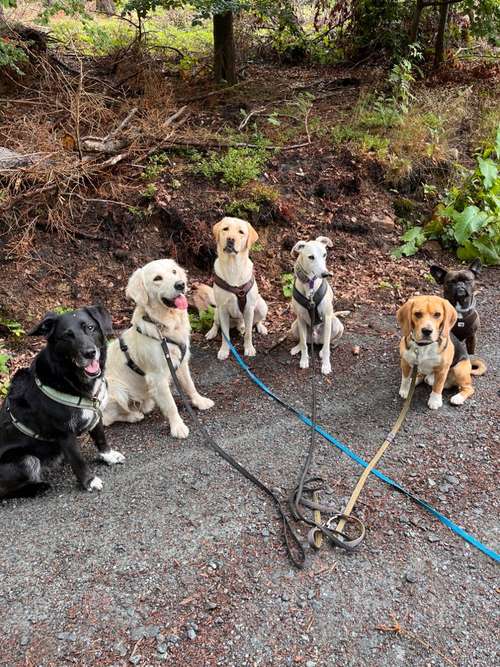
137 372
235 290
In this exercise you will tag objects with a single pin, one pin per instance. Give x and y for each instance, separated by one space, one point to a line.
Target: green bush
235 168
4 374
202 321
468 218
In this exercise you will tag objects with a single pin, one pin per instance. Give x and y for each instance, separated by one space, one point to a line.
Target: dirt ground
180 561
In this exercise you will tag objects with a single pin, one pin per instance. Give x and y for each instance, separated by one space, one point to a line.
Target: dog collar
70 400
304 277
463 311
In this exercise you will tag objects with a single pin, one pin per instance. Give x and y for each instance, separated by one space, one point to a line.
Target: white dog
310 283
137 371
235 291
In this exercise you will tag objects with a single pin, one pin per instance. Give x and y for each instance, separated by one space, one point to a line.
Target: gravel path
179 560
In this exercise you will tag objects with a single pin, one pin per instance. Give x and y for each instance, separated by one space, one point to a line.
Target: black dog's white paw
111 457
95 484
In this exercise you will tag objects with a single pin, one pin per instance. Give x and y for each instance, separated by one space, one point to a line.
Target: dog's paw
326 369
95 484
458 399
304 362
223 353
429 379
295 350
435 401
32 468
241 329
210 335
250 351
112 457
179 430
262 329
403 392
203 403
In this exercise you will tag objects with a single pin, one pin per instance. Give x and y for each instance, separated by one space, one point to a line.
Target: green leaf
489 172
488 251
467 223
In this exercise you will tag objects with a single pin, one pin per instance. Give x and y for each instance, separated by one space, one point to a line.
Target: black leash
311 486
292 542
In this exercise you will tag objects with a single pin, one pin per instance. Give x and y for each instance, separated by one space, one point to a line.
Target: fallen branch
109 143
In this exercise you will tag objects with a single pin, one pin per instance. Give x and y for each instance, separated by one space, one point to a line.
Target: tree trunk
416 21
105 7
440 37
224 51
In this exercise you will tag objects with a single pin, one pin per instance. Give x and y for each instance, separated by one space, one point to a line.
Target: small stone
152 630
67 636
451 479
431 482
433 537
265 532
356 350
191 634
219 620
137 633
212 565
310 663
162 648
411 577
444 488
121 649
135 659
211 605
310 594
25 640
173 639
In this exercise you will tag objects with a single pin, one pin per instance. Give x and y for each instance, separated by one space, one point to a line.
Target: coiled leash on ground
292 542
298 501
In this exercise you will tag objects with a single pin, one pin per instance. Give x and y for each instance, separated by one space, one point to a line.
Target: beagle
442 360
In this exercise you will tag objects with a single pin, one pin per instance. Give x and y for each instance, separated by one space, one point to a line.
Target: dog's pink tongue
93 367
181 302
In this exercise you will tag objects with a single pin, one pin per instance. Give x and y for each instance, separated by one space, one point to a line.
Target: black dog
459 288
54 401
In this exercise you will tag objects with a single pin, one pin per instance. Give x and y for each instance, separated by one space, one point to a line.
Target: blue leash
352 455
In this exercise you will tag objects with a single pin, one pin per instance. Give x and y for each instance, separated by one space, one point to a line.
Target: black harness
466 324
164 340
312 307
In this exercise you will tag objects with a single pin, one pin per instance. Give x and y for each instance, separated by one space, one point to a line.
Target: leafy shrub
202 321
287 280
235 168
468 218
4 374
14 328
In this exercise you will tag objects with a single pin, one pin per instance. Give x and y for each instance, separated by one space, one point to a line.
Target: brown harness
239 292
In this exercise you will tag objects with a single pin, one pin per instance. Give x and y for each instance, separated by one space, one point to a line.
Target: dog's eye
437 315
324 255
418 315
157 279
241 231
90 327
174 272
225 229
311 256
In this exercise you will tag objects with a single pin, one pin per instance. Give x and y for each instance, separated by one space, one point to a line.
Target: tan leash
343 519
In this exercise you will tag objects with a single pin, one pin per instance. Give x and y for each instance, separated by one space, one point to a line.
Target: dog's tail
479 367
201 297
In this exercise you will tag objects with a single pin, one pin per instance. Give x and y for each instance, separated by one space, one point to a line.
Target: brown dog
427 342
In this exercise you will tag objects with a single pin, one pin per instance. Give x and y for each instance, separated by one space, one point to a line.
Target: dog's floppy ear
476 267
450 318
404 317
102 317
325 241
216 229
46 326
438 273
297 248
252 236
136 289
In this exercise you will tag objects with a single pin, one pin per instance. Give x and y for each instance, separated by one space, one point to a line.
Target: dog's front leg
404 388
71 450
110 456
326 367
304 354
248 347
186 381
436 398
159 387
224 321
212 333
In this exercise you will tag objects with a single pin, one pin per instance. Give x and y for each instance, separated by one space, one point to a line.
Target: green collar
70 400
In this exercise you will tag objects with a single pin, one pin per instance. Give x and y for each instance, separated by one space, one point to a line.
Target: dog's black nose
89 353
180 286
230 241
426 332
326 274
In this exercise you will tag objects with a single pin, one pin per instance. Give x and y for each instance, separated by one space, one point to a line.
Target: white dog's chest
425 358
